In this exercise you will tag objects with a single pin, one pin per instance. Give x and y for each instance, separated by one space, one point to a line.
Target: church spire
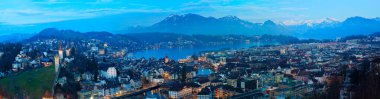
60 51
60 45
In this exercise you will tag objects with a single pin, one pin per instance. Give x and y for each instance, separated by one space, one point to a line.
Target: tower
68 50
56 62
105 45
166 59
223 60
60 51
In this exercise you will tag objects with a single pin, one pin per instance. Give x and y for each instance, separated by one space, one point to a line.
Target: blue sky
285 11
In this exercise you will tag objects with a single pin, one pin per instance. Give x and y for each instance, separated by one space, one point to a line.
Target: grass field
33 83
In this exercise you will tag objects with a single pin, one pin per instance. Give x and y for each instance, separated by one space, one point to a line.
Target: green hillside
33 83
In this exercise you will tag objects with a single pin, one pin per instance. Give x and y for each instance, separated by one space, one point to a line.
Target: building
84 94
166 59
178 91
56 62
151 95
174 92
46 62
68 50
47 95
282 51
223 60
205 94
101 52
111 72
60 51
105 45
204 72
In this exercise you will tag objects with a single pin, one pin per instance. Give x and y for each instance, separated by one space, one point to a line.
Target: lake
181 53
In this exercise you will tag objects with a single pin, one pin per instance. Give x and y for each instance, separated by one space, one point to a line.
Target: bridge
137 93
254 94
248 95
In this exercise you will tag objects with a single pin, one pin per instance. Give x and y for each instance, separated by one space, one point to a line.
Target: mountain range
196 24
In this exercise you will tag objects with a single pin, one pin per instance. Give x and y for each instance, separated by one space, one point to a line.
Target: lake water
181 53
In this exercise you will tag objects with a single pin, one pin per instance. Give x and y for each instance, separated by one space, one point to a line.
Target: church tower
166 59
105 45
68 50
60 51
56 62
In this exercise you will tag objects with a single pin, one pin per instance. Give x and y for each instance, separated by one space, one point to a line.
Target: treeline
201 39
8 52
80 65
366 80
360 37
159 37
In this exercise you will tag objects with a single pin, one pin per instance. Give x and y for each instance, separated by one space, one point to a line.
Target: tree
10 52
93 67
72 51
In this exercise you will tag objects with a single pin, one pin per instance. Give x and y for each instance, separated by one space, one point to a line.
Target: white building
111 72
179 92
68 50
16 66
60 52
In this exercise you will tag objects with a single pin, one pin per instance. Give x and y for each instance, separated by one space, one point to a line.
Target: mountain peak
377 18
49 29
184 15
229 18
330 20
184 19
175 17
191 14
269 23
356 18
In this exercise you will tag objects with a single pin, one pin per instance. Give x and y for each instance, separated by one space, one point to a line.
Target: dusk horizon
189 49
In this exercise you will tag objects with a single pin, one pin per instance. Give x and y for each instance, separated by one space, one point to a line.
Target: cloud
36 11
308 22
30 16
247 11
293 8
104 0
100 2
50 2
26 12
254 11
206 2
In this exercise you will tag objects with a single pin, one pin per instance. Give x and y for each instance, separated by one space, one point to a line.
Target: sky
18 12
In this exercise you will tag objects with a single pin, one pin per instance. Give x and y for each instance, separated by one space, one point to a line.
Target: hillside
33 83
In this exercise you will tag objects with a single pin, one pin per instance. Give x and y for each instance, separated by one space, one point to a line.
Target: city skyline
189 49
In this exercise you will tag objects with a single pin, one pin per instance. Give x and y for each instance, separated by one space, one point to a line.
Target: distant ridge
197 24
190 24
49 33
